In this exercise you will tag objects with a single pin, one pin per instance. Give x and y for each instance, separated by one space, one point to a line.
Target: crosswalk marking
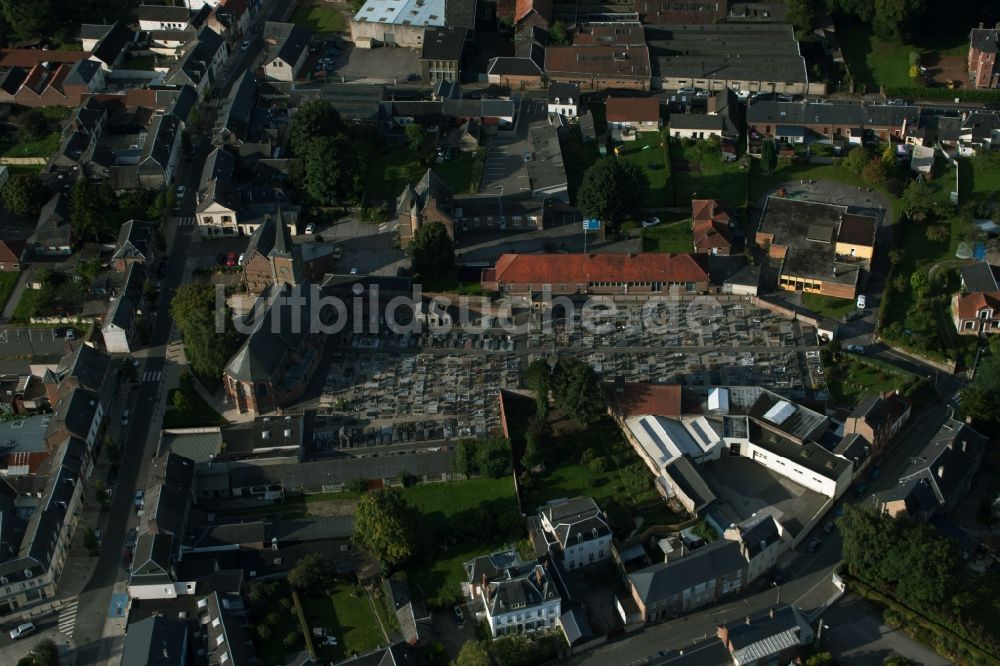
152 375
185 221
67 618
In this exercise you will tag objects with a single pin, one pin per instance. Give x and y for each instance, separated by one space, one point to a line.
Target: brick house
11 253
271 257
711 222
984 44
977 313
878 418
568 274
638 114
136 245
428 201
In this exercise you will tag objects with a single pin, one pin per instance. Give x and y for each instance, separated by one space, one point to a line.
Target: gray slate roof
663 580
980 276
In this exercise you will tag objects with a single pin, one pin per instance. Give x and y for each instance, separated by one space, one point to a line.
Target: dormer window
984 314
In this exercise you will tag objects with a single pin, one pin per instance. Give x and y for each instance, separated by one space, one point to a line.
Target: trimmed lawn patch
647 152
7 283
198 414
348 616
320 19
451 284
457 172
390 169
673 238
700 173
860 380
873 62
835 308
26 306
42 147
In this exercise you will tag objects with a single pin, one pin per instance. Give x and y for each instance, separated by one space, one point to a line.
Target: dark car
131 538
875 473
112 478
814 545
127 559
221 258
64 331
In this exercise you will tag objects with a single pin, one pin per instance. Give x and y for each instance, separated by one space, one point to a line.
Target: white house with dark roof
513 596
288 47
576 528
762 542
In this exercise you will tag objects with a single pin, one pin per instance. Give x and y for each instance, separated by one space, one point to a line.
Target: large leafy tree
24 194
30 18
384 526
577 391
857 159
333 169
538 378
432 250
802 14
91 209
473 653
768 155
981 399
315 118
309 573
208 348
612 190
898 20
917 200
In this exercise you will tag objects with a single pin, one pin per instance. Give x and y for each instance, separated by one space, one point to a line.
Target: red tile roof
640 399
10 250
603 60
970 304
563 268
711 225
32 57
633 109
524 7
708 209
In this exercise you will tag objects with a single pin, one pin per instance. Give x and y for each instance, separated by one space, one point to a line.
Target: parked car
245 45
140 498
875 473
125 415
220 259
814 545
127 559
180 191
851 316
98 534
828 527
650 222
22 630
687 91
131 538
65 332
703 93
459 615
354 271
112 477
231 259
311 228
862 301
743 95
857 349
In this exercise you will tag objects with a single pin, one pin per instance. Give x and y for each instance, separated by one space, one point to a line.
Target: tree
863 10
557 34
768 156
30 19
820 659
938 233
875 173
538 378
981 399
90 206
193 308
416 138
917 200
309 573
856 159
895 256
533 456
612 190
897 20
181 400
577 391
383 525
432 250
802 14
32 123
333 169
473 653
316 118
24 194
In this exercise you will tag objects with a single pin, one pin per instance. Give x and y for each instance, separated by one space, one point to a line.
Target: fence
24 161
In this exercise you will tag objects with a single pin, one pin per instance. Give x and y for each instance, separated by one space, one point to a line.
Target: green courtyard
700 172
391 169
320 19
647 152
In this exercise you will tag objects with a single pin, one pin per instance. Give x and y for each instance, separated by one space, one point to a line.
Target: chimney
722 631
772 613
963 446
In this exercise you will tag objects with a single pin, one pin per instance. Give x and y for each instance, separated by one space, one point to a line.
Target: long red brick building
568 274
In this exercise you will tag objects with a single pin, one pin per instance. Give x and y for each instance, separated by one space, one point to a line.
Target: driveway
856 636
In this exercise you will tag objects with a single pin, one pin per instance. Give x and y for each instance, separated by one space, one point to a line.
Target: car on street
354 271
459 615
112 478
703 93
140 498
311 228
862 302
814 545
22 630
127 559
125 415
687 91
180 191
231 259
851 316
650 222
828 527
65 332
875 473
743 95
220 259
132 538
98 534
857 349
245 45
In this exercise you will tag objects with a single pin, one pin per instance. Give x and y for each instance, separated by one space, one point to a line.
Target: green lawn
835 308
271 652
26 306
7 283
647 152
451 284
674 237
873 62
199 413
389 170
42 147
860 380
450 514
457 172
347 614
700 173
320 19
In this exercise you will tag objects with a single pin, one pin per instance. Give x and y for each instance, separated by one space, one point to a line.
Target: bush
965 94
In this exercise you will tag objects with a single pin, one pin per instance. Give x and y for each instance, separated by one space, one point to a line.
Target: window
207 219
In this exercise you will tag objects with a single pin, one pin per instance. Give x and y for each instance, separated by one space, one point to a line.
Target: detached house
984 46
977 313
629 115
11 254
577 530
713 227
513 596
564 99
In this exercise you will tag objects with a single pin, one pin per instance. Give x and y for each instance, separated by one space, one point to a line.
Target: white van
22 630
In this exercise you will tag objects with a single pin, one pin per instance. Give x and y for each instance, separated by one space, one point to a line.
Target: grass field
320 19
42 147
391 169
835 308
26 306
707 175
457 172
647 153
198 414
860 380
347 614
7 283
872 61
673 237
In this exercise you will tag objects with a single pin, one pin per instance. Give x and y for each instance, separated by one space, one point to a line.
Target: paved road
856 636
34 342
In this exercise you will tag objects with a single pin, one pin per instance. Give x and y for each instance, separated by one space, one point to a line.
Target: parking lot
504 166
380 65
